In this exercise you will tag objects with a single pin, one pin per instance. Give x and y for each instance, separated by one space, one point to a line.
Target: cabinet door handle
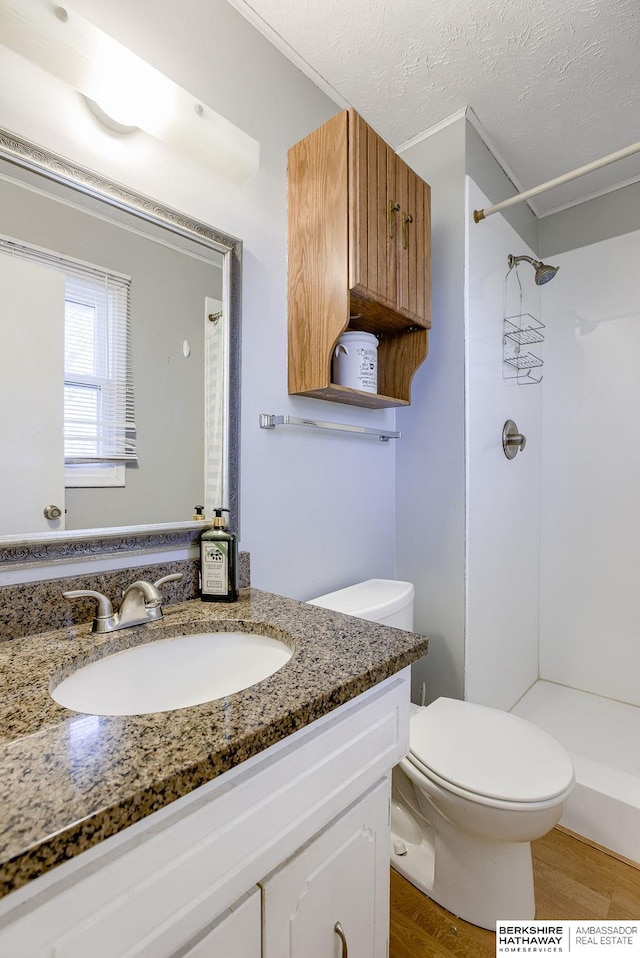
339 930
406 219
393 209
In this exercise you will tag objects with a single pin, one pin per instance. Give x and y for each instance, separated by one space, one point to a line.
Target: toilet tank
387 601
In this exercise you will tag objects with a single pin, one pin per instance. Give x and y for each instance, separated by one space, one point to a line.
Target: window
99 427
99 424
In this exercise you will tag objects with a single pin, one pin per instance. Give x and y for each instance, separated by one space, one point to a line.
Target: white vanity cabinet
307 819
236 934
332 898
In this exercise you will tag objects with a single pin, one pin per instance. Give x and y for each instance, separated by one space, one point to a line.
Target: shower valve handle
513 441
517 440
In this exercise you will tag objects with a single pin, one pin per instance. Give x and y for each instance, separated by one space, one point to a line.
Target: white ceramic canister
355 361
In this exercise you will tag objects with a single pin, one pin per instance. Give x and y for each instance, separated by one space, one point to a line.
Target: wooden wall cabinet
359 258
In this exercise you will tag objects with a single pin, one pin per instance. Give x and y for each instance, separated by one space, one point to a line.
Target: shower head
544 273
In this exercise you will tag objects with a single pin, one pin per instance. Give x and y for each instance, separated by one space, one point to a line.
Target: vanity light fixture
127 92
109 121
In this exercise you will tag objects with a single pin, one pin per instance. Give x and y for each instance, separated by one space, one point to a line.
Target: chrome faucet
141 603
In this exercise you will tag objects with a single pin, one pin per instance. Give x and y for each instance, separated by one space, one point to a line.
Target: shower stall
553 534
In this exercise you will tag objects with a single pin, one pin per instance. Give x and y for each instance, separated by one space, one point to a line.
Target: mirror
184 275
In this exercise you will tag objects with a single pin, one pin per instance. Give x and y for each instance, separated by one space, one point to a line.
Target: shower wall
503 497
590 519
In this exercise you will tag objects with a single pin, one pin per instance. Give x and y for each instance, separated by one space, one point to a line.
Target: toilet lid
488 752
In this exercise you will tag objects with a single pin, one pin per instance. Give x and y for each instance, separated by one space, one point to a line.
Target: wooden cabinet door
332 898
373 214
413 247
389 226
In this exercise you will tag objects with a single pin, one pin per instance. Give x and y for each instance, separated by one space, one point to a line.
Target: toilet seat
421 777
489 756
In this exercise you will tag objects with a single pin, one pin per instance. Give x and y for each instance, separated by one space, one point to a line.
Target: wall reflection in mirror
60 405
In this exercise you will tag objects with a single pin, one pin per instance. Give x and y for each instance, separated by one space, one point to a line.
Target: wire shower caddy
520 330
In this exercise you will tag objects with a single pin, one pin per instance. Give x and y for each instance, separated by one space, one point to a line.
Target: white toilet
477 786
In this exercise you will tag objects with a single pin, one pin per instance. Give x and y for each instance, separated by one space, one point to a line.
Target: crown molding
442 125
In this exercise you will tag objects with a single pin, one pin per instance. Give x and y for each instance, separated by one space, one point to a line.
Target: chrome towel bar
269 421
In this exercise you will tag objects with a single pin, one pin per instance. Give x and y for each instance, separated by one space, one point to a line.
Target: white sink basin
172 673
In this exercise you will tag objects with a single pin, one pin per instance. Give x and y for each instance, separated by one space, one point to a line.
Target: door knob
52 512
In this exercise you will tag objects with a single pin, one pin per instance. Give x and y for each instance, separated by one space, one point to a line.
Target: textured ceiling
553 84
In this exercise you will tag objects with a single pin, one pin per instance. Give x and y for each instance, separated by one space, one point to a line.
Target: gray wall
483 168
431 469
430 463
604 217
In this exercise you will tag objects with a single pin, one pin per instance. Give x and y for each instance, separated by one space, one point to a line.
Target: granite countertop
70 780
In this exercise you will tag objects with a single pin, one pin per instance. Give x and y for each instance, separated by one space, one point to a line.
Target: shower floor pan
602 737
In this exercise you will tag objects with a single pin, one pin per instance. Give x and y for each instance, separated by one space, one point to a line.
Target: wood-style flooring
572 880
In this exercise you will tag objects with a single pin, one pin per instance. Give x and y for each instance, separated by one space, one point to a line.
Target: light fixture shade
127 88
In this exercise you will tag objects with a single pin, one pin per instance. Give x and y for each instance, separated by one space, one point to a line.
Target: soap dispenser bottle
218 562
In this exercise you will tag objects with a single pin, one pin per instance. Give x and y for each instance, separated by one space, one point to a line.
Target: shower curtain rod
479 215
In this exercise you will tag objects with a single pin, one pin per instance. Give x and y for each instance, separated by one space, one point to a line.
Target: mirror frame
77 544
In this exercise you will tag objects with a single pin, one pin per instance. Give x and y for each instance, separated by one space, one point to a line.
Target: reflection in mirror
183 279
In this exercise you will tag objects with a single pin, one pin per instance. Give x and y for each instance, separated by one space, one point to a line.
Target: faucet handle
148 590
154 607
104 604
169 578
104 619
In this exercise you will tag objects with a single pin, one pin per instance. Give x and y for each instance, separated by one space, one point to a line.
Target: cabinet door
414 245
390 226
374 214
333 896
235 935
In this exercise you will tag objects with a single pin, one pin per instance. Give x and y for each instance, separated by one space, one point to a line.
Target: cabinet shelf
373 316
359 259
353 397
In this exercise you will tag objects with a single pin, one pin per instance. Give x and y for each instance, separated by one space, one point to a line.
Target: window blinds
99 421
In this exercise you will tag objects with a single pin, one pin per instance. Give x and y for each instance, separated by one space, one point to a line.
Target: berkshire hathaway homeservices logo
580 939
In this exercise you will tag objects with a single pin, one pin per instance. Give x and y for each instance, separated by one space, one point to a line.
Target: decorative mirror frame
17 551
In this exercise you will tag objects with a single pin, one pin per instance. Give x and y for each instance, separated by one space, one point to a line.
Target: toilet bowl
477 786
